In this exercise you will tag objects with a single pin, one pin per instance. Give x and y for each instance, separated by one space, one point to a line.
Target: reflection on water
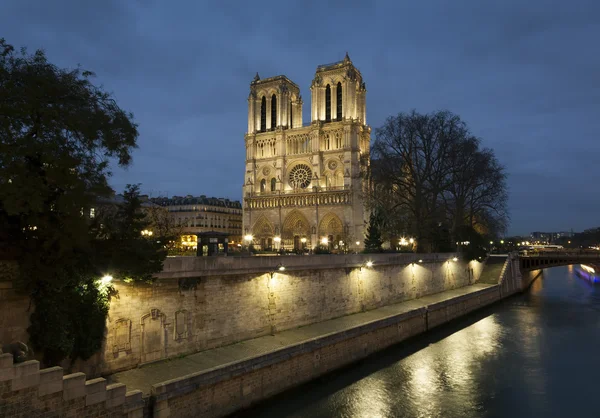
533 355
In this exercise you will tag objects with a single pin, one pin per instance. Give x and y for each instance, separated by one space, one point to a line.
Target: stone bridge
548 259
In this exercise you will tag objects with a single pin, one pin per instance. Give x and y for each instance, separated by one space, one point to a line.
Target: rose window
300 176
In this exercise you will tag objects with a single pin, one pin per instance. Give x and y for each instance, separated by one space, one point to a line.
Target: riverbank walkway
144 377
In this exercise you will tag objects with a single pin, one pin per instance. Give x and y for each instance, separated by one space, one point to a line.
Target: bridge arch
552 259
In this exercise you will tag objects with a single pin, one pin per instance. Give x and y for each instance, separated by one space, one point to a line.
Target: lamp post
248 238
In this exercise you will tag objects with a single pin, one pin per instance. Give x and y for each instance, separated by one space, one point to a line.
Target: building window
339 101
263 185
263 114
273 112
273 184
291 116
92 212
328 103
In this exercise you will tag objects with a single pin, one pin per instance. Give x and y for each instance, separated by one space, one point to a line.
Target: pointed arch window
263 185
273 112
328 103
273 184
263 114
339 101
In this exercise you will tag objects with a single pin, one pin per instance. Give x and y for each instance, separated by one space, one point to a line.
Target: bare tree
428 176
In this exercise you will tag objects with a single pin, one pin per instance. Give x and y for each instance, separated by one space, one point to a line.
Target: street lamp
147 233
324 241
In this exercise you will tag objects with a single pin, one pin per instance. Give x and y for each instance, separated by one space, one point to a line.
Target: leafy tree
373 239
58 133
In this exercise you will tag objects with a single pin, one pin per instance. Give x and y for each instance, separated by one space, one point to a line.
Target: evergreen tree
122 250
373 240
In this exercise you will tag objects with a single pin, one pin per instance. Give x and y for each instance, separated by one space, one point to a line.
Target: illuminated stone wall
204 302
187 314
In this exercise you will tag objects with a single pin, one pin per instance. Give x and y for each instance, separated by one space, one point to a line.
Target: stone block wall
198 303
26 391
219 392
183 315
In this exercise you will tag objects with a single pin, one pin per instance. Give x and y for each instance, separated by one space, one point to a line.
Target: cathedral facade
304 185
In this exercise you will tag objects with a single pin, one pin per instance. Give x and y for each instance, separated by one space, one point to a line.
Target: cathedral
304 184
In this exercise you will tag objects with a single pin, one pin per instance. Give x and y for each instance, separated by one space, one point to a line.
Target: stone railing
328 197
27 391
181 267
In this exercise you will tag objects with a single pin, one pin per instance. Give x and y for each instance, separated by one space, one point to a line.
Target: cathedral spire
256 77
347 58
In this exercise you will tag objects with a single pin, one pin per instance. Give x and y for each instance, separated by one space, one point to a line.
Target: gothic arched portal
295 228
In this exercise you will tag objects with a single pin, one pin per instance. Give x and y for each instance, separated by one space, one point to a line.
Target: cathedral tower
304 185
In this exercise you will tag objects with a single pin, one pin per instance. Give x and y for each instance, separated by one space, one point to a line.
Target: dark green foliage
69 322
121 250
58 133
373 240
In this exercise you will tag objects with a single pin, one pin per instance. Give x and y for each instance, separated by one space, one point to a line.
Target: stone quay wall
198 303
224 390
26 391
194 307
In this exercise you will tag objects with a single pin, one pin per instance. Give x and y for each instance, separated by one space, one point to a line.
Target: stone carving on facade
266 171
181 325
317 81
299 176
309 163
122 335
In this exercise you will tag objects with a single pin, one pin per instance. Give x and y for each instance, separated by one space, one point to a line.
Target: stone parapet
182 267
27 391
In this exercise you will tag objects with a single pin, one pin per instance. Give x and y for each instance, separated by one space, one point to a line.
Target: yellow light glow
455 259
248 237
501 241
146 232
491 242
281 268
588 268
420 261
411 240
357 243
303 240
277 239
106 279
324 241
369 264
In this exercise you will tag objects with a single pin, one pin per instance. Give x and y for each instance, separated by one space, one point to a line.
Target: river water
535 354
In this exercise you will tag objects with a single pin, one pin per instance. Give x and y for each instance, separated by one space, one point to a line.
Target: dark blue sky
525 76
